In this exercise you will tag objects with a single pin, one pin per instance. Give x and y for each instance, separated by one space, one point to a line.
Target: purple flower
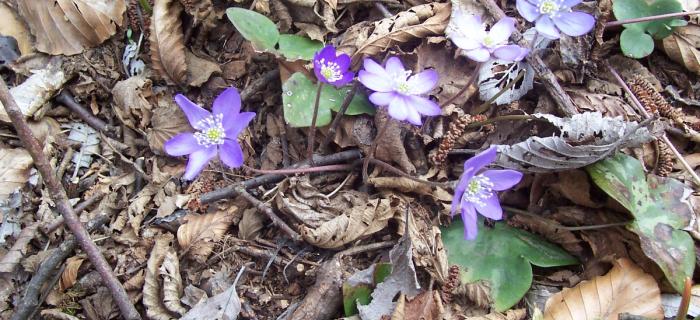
397 88
470 35
216 132
477 192
332 68
553 16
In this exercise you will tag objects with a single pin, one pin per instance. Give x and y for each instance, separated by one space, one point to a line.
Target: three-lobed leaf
298 97
635 40
501 256
660 208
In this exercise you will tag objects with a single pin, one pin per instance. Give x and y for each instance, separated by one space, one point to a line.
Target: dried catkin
664 159
653 101
455 130
450 285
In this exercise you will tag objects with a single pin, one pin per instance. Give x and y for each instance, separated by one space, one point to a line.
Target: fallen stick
58 195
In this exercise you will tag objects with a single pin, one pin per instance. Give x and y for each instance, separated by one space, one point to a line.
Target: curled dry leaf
625 289
38 89
367 39
682 47
251 224
131 101
168 42
609 106
172 282
14 170
198 234
70 26
152 297
70 274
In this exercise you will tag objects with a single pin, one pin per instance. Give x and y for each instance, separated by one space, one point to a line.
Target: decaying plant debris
96 221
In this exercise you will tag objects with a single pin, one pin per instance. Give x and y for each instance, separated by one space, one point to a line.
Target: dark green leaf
254 27
294 47
636 44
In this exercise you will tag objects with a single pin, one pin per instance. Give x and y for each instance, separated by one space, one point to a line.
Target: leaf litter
606 209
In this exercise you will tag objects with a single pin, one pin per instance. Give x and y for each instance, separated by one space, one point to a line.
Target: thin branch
338 116
259 84
333 167
646 115
66 99
51 227
312 129
561 98
267 210
58 195
368 247
650 18
373 148
397 171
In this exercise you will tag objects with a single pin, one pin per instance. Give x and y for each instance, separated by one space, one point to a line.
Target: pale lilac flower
217 132
554 16
470 35
332 68
477 192
399 90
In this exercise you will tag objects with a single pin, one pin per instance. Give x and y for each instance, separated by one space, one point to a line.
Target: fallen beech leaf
167 42
172 282
365 39
14 27
14 170
70 26
251 224
223 306
199 69
682 47
608 105
152 297
425 306
70 274
625 289
198 234
131 103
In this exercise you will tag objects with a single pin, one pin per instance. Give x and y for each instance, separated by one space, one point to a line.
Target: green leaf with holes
660 208
501 257
636 40
299 96
294 47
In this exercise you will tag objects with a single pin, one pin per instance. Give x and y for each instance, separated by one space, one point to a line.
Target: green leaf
299 95
501 256
660 208
254 27
636 44
361 294
294 47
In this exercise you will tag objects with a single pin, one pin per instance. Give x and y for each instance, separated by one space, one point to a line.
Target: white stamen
330 70
401 82
552 8
478 189
210 130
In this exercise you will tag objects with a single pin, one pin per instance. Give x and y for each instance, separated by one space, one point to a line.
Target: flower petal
490 207
567 4
373 67
394 67
468 33
231 154
347 78
527 10
233 128
459 192
327 53
193 112
545 26
503 179
480 160
343 61
423 105
501 31
181 144
469 221
413 115
510 52
198 160
479 55
466 43
574 23
376 82
227 103
397 109
423 82
382 98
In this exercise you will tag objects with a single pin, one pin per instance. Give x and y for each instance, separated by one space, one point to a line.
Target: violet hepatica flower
332 68
217 132
554 16
477 192
396 88
480 45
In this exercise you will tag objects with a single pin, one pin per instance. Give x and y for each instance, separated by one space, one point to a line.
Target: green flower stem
650 18
482 108
466 86
685 300
312 130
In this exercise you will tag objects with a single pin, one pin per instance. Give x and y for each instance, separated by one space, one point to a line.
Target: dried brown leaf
38 89
251 224
172 282
168 120
406 185
425 306
131 103
14 27
514 314
625 289
365 39
11 259
70 274
682 47
70 26
198 234
152 297
168 42
199 69
56 314
14 170
609 106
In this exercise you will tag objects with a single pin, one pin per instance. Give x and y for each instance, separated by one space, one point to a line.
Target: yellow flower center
549 7
488 41
210 130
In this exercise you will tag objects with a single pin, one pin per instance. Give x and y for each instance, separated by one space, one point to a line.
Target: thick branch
41 162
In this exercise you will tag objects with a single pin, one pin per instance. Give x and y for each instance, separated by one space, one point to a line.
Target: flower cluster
480 45
554 16
217 133
476 192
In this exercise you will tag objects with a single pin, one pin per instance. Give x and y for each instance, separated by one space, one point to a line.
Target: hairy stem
312 130
650 18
